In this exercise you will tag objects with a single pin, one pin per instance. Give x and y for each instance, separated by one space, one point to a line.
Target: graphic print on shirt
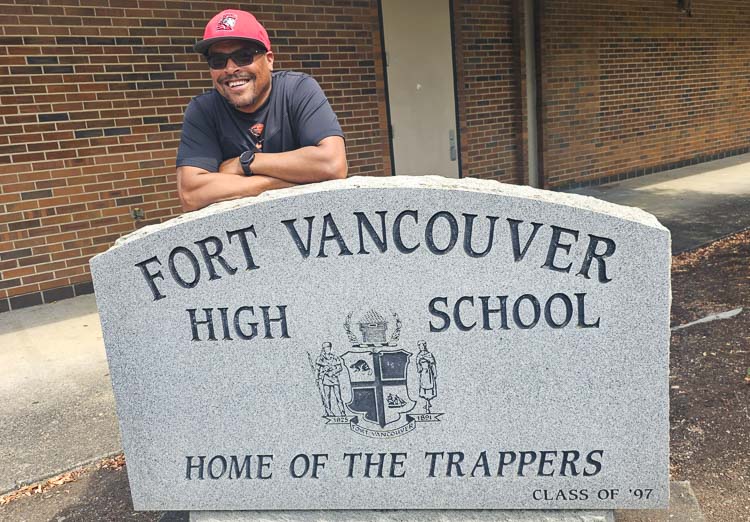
256 135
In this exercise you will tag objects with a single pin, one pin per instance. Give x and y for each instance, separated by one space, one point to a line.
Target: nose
231 66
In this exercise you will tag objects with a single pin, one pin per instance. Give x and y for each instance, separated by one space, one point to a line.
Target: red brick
605 108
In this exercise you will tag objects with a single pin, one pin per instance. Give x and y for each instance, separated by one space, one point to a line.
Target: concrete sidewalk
55 394
698 204
56 399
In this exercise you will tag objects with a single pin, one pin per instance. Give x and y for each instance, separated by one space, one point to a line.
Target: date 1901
585 494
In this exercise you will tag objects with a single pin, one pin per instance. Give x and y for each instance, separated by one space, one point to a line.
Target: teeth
237 83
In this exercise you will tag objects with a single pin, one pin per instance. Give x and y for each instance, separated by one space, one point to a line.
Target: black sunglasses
241 57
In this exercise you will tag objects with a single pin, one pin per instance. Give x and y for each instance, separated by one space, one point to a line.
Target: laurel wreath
348 328
397 332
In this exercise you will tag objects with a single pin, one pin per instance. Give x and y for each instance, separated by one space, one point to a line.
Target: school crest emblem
369 387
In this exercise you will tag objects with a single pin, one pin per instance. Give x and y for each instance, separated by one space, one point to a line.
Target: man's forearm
323 162
200 190
305 165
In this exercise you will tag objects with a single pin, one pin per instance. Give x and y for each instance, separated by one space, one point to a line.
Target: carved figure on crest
427 369
329 366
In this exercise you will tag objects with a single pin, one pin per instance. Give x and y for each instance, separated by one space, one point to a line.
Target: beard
247 97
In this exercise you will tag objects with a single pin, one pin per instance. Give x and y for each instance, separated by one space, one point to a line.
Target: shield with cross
378 385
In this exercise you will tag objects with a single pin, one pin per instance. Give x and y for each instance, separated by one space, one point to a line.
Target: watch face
246 156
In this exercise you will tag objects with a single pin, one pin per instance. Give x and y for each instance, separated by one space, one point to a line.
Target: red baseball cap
232 24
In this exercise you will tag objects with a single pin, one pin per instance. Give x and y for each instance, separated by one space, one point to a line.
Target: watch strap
246 159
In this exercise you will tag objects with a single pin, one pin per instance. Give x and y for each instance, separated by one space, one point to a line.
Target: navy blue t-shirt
296 114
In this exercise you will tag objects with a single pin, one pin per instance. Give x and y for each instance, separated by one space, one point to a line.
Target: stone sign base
431 515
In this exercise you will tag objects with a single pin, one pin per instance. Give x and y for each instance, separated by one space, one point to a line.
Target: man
259 129
329 367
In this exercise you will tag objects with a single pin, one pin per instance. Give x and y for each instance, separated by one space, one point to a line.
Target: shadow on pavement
102 494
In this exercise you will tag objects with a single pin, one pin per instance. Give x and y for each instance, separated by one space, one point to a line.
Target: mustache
230 77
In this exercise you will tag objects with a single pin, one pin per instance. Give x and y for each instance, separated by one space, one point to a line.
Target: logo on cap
227 22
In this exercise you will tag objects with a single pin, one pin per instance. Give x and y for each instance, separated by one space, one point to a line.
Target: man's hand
232 166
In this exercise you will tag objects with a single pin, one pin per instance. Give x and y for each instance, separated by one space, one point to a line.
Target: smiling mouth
237 83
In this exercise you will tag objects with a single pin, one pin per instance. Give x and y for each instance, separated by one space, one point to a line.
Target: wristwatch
246 158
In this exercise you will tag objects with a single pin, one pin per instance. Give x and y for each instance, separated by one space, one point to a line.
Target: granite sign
414 343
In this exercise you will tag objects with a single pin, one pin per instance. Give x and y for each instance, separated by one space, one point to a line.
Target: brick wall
488 90
91 100
92 94
634 86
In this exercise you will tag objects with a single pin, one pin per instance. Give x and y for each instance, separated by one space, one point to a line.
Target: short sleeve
199 144
313 115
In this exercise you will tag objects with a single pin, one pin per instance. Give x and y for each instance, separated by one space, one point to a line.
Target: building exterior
93 91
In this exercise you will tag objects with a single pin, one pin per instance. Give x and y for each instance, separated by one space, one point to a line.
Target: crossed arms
325 161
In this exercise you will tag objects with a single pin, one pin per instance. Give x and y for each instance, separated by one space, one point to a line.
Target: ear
269 59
